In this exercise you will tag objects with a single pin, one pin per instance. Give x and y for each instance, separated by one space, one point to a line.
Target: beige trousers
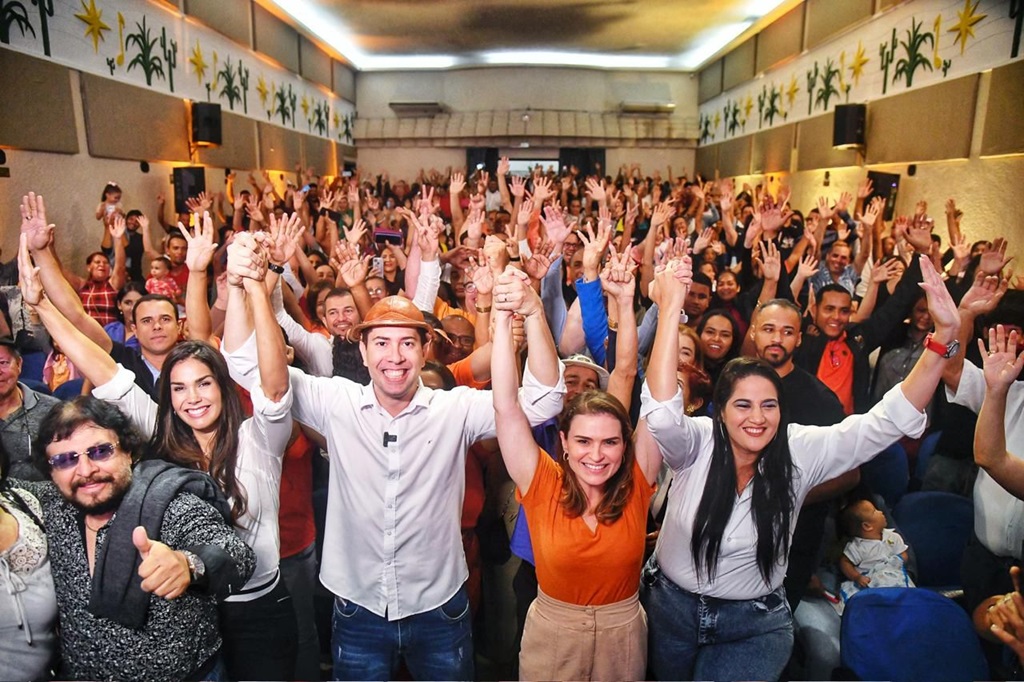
568 642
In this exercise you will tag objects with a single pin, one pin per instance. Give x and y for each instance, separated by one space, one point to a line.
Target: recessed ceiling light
326 26
557 58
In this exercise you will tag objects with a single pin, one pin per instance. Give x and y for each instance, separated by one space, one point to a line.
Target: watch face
952 349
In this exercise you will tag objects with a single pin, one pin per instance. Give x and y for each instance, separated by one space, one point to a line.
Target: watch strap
946 351
196 567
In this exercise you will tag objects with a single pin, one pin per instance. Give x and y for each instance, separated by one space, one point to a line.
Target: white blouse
820 453
262 440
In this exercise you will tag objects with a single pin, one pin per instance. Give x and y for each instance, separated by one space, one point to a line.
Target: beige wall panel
706 161
72 186
771 150
316 64
814 145
734 157
1004 132
279 148
738 65
987 190
651 159
230 17
783 38
46 120
922 125
709 81
515 89
825 18
344 83
153 128
319 153
239 144
276 39
406 162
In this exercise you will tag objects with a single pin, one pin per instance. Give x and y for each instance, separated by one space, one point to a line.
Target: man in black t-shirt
775 330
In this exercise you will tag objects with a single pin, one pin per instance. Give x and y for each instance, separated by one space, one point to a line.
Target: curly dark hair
67 417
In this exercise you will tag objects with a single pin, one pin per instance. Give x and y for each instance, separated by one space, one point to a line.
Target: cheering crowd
317 391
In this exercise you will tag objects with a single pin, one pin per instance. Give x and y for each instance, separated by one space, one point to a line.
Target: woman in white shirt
199 423
713 589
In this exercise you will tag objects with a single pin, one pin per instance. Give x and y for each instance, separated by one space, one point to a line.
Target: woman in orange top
587 518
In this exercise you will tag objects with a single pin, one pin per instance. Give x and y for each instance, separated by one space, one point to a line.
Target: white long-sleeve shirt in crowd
393 542
262 440
820 453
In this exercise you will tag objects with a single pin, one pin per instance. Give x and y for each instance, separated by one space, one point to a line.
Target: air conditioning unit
647 108
418 109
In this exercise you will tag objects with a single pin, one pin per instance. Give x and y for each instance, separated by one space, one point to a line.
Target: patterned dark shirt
179 636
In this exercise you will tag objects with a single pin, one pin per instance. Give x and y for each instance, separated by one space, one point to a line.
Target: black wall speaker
887 186
206 124
848 126
189 181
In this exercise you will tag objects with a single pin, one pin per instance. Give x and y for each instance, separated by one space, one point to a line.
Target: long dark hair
772 501
311 300
348 361
618 488
175 441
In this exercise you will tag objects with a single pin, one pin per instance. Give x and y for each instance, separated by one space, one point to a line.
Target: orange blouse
577 565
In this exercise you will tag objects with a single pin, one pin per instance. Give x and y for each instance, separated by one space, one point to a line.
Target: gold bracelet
482 310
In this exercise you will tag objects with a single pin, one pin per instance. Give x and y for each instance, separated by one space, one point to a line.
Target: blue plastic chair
924 454
937 526
72 388
888 474
32 367
36 385
901 633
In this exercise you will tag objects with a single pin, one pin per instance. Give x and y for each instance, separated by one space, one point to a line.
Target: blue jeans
694 637
436 644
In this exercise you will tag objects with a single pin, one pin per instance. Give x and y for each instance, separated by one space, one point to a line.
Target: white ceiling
657 34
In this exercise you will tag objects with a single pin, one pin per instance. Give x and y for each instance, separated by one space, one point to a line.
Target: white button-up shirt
820 453
393 542
314 349
998 515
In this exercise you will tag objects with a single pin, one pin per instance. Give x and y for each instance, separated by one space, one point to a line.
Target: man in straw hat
393 546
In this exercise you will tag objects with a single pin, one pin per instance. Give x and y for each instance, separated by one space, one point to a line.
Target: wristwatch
945 350
196 567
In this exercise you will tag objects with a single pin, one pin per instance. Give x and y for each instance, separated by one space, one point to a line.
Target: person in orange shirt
587 516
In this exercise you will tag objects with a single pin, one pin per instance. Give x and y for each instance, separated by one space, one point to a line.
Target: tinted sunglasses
96 453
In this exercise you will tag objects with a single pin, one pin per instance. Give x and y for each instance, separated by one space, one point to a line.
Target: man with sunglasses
138 553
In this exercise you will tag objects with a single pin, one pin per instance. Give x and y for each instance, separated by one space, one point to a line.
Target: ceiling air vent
417 109
647 108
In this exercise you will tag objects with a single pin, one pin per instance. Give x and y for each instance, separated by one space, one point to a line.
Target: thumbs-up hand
164 572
